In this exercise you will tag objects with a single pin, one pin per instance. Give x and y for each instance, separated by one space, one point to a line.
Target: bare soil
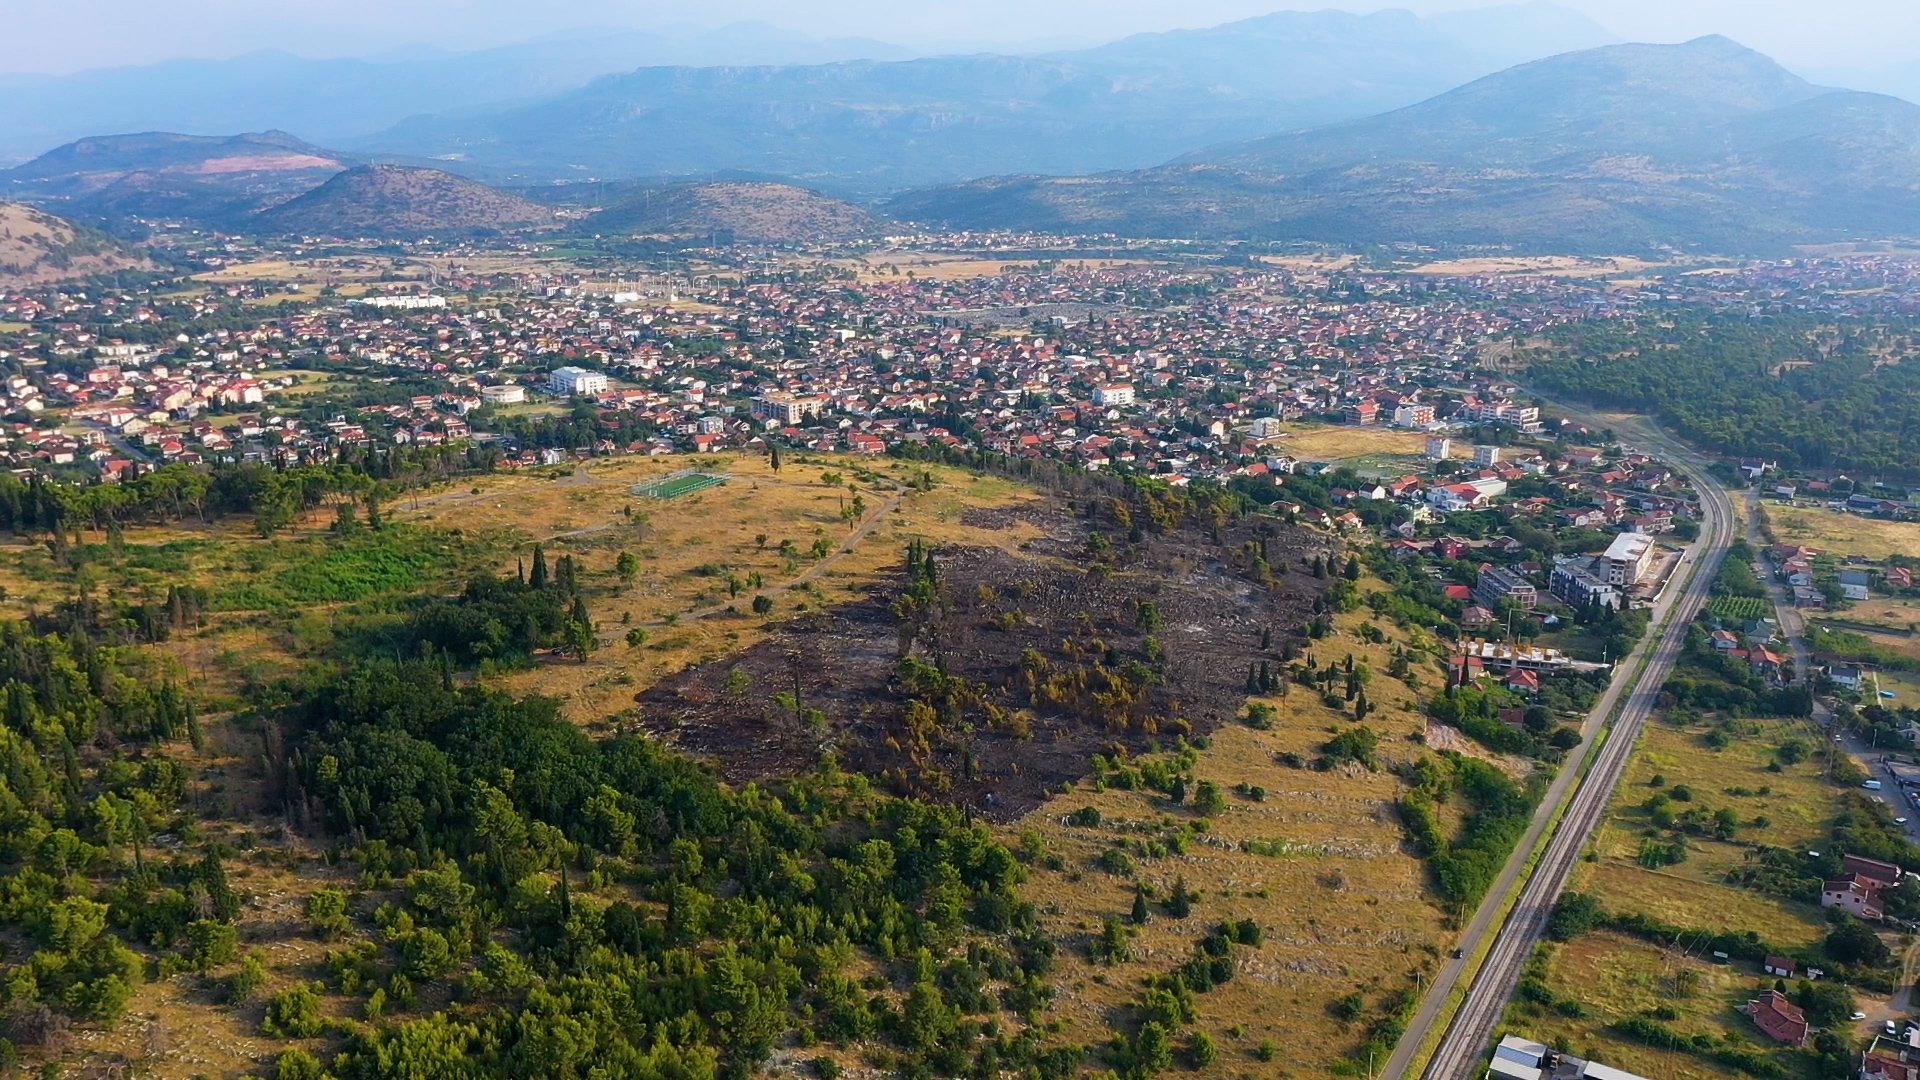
1008 624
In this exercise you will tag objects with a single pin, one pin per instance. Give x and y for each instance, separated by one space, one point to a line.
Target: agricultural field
1842 533
1738 610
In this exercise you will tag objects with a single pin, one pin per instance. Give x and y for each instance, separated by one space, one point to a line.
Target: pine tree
539 578
1180 901
1140 914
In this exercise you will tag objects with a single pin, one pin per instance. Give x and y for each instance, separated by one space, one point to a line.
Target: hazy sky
66 35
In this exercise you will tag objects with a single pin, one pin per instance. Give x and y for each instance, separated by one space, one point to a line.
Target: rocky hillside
740 210
37 247
402 201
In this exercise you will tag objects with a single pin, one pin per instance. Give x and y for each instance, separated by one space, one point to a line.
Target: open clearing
1333 442
1614 977
1843 533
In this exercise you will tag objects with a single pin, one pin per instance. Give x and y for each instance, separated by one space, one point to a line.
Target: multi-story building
1439 448
1627 558
785 408
1575 584
1110 395
571 381
1497 584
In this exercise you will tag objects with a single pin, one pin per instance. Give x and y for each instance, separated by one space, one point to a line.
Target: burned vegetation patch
987 677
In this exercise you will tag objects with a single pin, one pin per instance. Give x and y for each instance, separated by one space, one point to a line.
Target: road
1584 793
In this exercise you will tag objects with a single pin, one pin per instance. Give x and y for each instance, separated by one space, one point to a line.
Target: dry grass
1348 909
927 266
1843 534
1571 266
688 547
1324 442
1615 977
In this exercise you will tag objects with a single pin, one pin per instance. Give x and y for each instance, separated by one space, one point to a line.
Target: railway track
1462 1052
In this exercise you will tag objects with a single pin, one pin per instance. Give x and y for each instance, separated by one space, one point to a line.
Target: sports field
678 484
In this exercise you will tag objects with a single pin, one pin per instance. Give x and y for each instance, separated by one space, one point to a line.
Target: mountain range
332 99
865 127
1705 145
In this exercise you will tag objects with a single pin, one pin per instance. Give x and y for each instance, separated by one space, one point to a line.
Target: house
1779 966
1846 676
1884 873
1724 640
1890 1059
1858 895
1854 584
1522 681
1779 1018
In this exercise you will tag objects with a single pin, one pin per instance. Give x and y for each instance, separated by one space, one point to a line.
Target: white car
1859 1016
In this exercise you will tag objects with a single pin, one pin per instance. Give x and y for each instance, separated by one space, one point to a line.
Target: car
1892 1028
1899 821
1859 1016
1459 953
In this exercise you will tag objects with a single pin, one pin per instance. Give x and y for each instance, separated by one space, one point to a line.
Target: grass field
1613 977
1844 534
690 547
1332 442
678 484
1346 909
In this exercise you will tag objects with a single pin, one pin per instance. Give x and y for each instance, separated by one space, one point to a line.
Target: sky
70 35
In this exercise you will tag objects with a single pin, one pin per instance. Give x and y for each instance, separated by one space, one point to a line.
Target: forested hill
1805 391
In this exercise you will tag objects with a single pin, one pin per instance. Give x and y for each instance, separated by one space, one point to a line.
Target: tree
1180 901
1854 942
538 578
762 604
1208 799
628 567
773 456
1139 915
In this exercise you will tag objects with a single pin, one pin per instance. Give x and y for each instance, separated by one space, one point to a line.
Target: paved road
1462 1052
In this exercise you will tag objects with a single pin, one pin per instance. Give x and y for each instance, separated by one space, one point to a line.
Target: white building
402 302
785 408
568 381
1523 1059
1486 456
1113 394
1627 557
1439 448
508 394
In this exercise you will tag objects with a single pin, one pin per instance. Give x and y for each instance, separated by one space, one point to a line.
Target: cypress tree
539 577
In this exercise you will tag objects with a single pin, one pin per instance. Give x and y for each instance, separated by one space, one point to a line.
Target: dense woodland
1808 392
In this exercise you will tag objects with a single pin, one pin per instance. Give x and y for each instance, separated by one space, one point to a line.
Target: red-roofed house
1779 1018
